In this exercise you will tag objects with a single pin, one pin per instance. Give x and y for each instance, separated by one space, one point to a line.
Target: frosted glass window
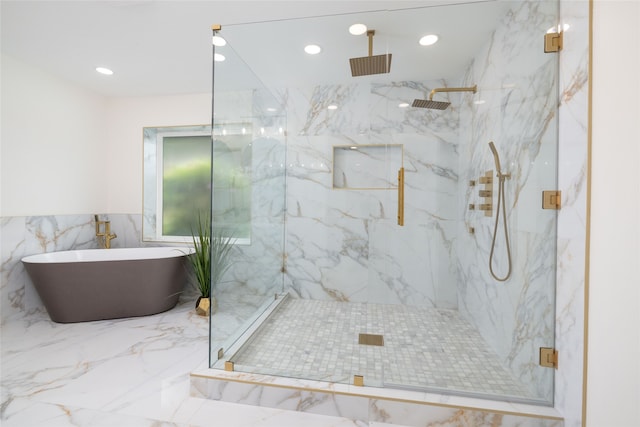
178 182
186 182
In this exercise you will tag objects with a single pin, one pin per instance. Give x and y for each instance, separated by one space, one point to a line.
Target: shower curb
366 404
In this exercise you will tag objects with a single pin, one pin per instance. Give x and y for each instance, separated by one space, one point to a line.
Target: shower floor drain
371 339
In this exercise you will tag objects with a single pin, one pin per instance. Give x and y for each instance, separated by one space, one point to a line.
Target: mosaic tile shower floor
423 348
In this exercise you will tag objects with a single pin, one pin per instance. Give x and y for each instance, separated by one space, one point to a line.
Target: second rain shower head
372 64
441 105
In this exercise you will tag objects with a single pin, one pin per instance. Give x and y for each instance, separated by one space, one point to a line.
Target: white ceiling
164 47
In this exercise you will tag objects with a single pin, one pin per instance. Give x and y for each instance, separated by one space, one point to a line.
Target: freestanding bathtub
98 284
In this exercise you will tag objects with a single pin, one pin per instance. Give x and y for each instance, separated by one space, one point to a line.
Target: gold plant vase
203 306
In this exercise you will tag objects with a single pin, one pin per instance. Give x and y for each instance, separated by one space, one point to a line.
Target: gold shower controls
486 179
487 193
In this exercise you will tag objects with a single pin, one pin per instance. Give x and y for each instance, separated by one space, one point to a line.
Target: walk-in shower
327 285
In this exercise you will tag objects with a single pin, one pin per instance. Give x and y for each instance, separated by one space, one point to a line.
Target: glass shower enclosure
367 222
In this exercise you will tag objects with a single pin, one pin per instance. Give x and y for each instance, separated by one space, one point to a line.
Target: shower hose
501 201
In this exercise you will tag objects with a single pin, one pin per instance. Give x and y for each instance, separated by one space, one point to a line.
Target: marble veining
126 372
311 166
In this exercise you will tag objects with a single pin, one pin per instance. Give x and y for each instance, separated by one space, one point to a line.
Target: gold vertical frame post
401 197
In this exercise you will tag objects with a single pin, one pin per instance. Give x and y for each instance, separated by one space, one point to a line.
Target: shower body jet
501 201
441 105
372 64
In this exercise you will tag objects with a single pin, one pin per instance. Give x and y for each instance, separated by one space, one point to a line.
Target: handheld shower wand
496 157
501 200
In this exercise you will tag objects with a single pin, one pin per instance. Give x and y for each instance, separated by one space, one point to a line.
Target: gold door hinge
358 380
551 199
548 357
552 42
229 366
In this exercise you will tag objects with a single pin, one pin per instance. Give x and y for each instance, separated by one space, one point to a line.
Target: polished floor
423 348
124 373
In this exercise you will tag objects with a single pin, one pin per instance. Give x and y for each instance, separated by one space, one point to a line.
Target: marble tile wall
345 244
518 83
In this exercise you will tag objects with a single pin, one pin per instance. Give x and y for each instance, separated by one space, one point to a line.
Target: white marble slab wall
517 83
345 244
22 236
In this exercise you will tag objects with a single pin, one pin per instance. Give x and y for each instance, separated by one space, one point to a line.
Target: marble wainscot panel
22 236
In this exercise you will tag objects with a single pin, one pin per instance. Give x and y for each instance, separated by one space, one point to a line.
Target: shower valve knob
472 206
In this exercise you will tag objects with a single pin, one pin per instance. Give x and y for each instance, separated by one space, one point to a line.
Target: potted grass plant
209 261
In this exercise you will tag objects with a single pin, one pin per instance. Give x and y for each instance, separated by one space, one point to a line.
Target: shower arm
473 89
370 34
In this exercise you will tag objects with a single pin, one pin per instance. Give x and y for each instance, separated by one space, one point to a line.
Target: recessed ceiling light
403 105
218 57
218 41
428 40
105 71
312 49
357 29
332 107
479 102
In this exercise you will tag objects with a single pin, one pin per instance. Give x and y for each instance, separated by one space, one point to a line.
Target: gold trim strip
401 197
587 245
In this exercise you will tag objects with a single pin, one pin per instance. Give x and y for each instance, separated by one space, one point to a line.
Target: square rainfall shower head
427 103
368 65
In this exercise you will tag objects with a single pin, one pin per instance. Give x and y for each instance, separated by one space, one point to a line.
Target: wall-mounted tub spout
501 201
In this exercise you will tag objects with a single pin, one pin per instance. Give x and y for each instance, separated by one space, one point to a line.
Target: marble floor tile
124 373
423 348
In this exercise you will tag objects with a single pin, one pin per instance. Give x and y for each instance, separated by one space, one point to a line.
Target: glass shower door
248 200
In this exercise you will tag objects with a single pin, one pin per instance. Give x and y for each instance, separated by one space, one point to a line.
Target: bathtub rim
107 255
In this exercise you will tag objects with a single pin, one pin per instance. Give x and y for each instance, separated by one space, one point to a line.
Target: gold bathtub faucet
107 236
